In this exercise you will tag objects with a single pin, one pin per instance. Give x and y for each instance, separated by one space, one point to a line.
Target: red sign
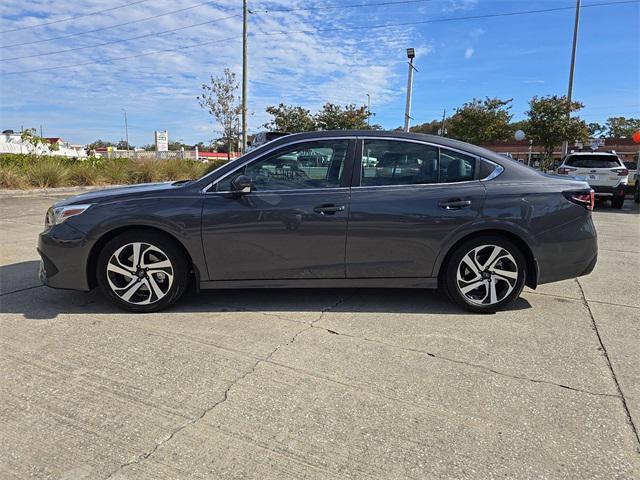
636 137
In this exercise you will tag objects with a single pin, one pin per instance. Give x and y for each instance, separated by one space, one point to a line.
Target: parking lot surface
320 384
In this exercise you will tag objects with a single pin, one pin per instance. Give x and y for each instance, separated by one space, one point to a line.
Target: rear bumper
568 251
63 251
607 191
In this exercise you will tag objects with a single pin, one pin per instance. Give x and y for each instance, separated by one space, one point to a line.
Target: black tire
636 192
617 202
171 281
515 259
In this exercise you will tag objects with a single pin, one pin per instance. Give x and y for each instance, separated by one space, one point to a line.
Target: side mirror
241 184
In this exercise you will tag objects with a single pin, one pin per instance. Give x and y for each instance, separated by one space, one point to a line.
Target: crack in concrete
225 396
634 429
20 290
470 364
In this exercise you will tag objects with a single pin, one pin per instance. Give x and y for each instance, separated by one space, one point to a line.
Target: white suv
603 171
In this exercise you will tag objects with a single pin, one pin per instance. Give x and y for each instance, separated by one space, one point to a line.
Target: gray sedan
433 212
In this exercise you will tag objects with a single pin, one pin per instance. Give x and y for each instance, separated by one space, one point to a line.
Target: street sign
162 141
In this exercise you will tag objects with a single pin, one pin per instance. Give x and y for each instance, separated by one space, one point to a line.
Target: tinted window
456 167
389 162
309 165
592 161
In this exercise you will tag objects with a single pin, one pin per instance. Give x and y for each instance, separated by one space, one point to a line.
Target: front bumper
64 251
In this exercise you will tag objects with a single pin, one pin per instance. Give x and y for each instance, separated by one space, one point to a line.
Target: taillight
584 198
622 172
565 170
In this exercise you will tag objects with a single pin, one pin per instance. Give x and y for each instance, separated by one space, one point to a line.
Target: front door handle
328 209
455 204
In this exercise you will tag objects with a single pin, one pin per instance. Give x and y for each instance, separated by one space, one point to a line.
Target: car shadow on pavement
629 207
23 295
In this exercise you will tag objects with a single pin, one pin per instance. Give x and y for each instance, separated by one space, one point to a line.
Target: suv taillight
584 198
622 172
565 170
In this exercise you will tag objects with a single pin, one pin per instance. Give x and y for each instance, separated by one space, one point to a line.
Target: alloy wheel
487 274
140 273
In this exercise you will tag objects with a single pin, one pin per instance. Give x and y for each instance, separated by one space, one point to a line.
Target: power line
111 26
357 5
371 27
120 40
333 7
96 12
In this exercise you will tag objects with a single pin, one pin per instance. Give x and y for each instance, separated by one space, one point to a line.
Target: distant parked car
603 171
434 212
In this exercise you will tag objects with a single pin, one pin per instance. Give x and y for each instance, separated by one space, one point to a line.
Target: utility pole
443 132
368 110
565 144
411 53
126 130
245 28
41 136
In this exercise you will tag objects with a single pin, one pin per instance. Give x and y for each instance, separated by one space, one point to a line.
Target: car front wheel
141 271
484 274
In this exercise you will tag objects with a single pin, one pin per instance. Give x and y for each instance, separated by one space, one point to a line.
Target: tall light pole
245 33
411 54
565 144
126 130
368 110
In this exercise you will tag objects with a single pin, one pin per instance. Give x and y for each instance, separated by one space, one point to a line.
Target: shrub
11 177
47 173
82 173
213 165
173 169
116 172
146 171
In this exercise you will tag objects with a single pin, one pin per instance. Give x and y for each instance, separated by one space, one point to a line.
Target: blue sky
304 57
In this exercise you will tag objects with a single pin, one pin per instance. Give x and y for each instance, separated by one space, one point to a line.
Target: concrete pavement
320 384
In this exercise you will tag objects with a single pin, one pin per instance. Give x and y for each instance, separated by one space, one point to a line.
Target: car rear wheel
142 271
485 273
617 202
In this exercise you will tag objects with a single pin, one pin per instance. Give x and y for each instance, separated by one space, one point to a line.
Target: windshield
592 161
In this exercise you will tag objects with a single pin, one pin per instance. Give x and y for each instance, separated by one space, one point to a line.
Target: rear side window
592 161
392 162
456 167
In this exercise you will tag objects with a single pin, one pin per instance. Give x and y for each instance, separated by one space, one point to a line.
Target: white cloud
468 53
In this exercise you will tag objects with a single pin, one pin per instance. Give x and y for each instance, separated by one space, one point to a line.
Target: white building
11 142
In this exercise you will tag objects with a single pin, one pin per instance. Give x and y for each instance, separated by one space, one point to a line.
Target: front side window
307 165
391 162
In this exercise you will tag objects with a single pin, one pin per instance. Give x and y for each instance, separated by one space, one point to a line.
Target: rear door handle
455 204
328 209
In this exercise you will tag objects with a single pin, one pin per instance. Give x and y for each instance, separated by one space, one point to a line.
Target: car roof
444 141
573 154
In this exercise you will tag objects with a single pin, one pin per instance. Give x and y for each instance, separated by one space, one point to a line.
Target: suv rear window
592 161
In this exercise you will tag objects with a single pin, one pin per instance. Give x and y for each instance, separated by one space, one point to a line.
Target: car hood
111 194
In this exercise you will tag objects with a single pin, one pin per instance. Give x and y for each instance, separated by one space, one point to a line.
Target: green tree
336 117
481 121
36 143
596 129
100 144
290 119
431 127
551 123
219 99
618 127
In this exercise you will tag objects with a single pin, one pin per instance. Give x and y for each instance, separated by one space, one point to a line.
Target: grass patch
48 173
27 171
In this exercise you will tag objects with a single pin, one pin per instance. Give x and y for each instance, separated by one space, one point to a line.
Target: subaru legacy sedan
430 212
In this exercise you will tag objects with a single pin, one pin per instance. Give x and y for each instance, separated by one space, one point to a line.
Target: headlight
56 215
